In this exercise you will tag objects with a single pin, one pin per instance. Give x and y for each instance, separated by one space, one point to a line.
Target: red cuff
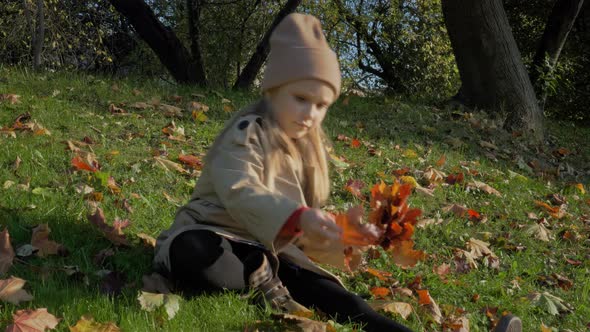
291 227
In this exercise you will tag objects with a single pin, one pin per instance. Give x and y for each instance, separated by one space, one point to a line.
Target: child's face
301 105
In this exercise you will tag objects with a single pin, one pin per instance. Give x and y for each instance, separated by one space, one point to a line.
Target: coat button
242 125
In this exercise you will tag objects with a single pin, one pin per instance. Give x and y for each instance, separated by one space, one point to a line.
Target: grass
404 134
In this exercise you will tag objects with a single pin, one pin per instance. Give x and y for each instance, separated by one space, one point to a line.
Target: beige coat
235 199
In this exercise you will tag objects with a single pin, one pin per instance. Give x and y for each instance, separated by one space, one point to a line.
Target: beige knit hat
299 50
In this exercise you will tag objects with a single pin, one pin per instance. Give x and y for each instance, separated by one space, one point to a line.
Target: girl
253 220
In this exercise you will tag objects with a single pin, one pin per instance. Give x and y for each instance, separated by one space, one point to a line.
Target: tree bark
194 13
161 40
39 35
248 74
560 23
490 65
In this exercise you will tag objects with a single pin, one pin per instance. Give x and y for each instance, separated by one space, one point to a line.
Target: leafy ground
523 248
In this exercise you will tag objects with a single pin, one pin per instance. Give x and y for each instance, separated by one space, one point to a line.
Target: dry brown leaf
423 223
147 240
16 163
11 291
302 323
457 210
539 231
464 261
425 191
197 106
483 187
456 324
6 252
10 97
556 212
116 110
442 270
401 308
429 305
141 105
112 233
433 176
32 321
479 248
169 165
40 240
402 291
170 111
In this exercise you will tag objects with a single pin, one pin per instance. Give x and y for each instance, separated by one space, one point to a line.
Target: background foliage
92 36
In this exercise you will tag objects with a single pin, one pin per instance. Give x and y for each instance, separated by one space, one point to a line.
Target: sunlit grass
73 106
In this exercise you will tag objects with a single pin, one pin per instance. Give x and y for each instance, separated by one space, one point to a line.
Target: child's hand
319 229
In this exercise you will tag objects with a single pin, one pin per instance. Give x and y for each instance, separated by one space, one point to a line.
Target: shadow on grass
563 154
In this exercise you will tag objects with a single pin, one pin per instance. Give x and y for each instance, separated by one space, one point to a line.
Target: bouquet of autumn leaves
390 224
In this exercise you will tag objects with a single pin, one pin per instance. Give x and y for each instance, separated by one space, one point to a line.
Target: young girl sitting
253 221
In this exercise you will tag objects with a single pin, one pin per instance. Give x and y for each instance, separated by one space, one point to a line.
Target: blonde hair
309 150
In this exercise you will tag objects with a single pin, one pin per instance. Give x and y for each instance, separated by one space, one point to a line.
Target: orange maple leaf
380 292
390 225
80 164
391 212
423 296
354 233
190 161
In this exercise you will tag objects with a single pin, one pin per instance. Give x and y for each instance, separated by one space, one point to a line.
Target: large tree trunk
560 22
194 13
39 35
490 65
161 40
37 30
249 73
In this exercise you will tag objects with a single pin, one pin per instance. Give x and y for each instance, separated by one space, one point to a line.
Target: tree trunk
194 14
492 73
161 40
251 69
560 22
39 35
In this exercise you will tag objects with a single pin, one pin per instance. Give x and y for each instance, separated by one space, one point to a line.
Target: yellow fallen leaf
409 180
199 116
410 154
88 324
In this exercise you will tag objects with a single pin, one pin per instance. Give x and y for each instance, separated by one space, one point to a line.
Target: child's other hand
319 229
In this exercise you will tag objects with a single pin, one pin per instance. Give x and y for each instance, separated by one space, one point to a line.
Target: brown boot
509 323
270 289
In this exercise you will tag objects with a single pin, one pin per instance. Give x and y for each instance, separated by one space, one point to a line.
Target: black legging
203 261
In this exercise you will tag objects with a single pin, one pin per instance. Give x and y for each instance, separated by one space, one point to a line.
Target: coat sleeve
237 170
